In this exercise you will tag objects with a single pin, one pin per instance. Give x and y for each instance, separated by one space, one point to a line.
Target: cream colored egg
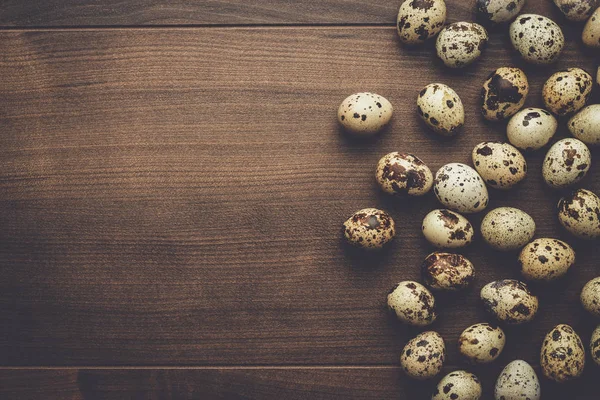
510 301
546 259
567 91
562 356
500 165
420 20
447 271
447 229
507 228
369 229
579 214
531 129
365 113
591 31
566 163
585 125
458 385
577 10
498 11
481 343
460 188
412 303
518 381
590 297
595 345
441 109
461 43
538 39
403 174
423 357
504 93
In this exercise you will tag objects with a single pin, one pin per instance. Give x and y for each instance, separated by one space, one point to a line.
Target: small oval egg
531 129
498 11
504 93
585 125
460 188
538 39
591 31
507 228
579 214
518 381
412 303
590 297
510 301
595 345
567 91
403 174
447 230
481 343
546 259
566 163
423 357
577 10
420 20
500 165
447 271
365 113
461 43
369 229
441 109
458 385
562 356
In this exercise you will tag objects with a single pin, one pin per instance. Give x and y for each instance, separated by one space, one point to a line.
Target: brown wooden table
172 186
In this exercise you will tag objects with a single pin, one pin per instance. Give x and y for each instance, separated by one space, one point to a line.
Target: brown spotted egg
504 93
546 259
412 303
577 10
498 11
461 43
500 165
585 125
531 129
562 356
566 163
441 109
369 229
423 356
403 174
510 301
538 39
507 228
481 343
419 20
446 229
591 31
567 91
460 188
579 214
447 271
590 297
458 385
518 381
595 345
365 113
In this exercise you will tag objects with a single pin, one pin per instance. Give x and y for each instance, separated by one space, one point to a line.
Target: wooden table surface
172 186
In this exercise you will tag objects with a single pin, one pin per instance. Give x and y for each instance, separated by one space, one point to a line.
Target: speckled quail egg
447 271
481 343
538 39
546 259
365 113
461 43
460 188
412 303
419 20
370 229
579 214
591 31
504 93
590 297
498 11
598 76
562 356
441 109
595 345
567 91
566 163
585 125
510 301
458 385
447 230
577 10
507 228
423 357
518 381
403 174
500 165
531 129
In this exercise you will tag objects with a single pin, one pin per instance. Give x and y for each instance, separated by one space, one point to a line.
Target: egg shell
365 114
591 31
447 271
504 93
562 356
481 343
441 109
458 385
507 228
590 297
412 303
423 357
585 125
498 11
460 188
567 91
579 214
420 20
531 129
546 259
595 345
447 230
577 10
461 43
566 163
403 174
369 229
510 301
500 165
538 39
518 381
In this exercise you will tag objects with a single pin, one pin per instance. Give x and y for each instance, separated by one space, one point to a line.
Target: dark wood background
172 185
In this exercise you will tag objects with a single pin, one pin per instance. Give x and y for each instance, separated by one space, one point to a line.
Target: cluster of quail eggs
463 189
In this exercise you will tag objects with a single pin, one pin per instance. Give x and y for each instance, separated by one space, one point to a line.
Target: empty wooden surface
173 197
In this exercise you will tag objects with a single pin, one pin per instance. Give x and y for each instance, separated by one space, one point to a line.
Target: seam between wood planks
192 26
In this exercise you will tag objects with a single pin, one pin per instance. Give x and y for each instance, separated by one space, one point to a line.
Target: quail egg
419 20
566 163
531 129
446 229
461 43
518 381
538 39
590 297
595 345
458 385
577 10
546 259
365 113
369 228
412 303
585 125
460 188
441 109
481 343
423 357
567 91
591 31
504 93
562 356
403 174
446 271
579 213
507 228
510 301
498 11
500 165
